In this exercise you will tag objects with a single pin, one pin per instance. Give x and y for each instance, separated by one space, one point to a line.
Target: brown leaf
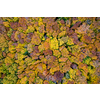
76 25
14 25
70 82
47 52
2 29
62 21
58 76
86 39
62 59
73 66
45 72
50 59
46 82
98 55
2 76
46 45
48 77
51 65
7 38
4 54
13 37
41 76
35 39
75 37
22 23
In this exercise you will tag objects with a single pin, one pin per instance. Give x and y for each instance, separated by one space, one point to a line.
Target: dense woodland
49 50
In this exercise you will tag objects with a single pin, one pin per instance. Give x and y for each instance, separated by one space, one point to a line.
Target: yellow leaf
72 73
70 41
56 53
6 24
8 61
24 80
54 44
29 29
62 34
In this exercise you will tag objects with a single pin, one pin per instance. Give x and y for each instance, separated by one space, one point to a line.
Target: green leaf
87 60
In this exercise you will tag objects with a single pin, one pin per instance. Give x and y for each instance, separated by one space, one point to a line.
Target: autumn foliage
49 50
